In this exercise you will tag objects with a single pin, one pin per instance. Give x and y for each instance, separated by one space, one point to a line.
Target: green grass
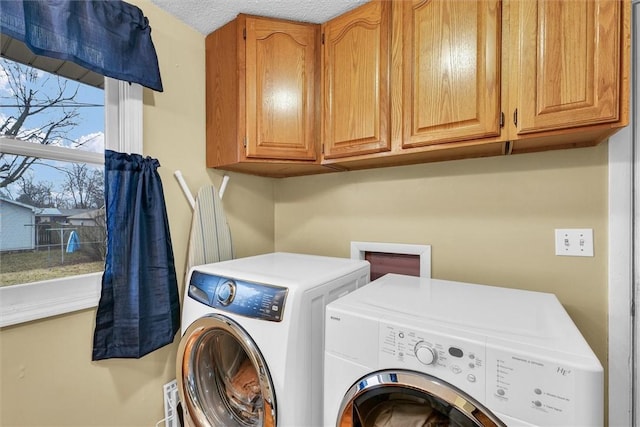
33 266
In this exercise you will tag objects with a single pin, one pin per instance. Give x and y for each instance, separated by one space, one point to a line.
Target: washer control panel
506 378
255 300
459 361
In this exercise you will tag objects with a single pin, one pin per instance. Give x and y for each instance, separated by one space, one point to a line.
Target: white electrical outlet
574 241
171 399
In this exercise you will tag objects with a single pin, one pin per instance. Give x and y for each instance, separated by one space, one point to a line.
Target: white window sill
37 300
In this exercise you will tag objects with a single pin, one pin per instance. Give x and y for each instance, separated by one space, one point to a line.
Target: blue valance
109 37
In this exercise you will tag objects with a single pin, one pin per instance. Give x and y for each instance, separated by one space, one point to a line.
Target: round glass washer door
223 379
394 397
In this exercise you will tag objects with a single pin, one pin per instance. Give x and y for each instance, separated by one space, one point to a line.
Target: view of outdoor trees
51 211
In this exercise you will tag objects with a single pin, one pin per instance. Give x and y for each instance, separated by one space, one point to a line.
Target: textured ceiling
208 15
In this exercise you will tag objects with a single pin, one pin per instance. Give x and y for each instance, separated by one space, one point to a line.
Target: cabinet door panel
355 82
569 64
280 80
451 70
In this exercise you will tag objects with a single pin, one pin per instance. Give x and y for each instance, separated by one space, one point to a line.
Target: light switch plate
574 242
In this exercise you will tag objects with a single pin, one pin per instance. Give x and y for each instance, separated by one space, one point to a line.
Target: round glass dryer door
395 397
222 376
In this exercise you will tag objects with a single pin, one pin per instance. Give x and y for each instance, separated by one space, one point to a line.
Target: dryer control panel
255 300
459 361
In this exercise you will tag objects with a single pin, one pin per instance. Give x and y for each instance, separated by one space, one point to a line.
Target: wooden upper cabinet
355 81
451 71
262 91
398 82
569 63
280 79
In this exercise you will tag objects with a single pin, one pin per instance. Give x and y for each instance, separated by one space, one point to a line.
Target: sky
92 117
90 128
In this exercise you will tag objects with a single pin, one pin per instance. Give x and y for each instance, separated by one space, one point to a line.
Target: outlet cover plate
171 398
574 242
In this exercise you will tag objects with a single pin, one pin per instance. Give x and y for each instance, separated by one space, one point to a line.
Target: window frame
123 132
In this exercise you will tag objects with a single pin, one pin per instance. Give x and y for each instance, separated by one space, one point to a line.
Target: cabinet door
451 70
280 84
569 64
355 82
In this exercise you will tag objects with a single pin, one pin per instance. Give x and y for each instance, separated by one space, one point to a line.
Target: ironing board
210 237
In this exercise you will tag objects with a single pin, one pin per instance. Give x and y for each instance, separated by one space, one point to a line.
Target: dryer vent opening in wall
383 263
400 258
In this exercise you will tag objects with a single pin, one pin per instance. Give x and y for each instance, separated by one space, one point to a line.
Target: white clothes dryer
252 345
437 352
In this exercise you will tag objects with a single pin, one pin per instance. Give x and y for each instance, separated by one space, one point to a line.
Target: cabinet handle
515 117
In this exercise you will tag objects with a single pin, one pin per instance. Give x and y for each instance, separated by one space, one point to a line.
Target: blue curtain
110 37
139 309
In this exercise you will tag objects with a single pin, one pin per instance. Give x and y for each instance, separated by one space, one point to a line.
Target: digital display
456 352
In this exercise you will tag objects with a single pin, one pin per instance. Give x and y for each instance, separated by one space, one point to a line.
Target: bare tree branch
24 85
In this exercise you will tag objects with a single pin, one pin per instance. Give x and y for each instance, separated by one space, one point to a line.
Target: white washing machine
407 349
252 345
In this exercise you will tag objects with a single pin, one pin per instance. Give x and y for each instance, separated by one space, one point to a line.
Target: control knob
226 292
425 354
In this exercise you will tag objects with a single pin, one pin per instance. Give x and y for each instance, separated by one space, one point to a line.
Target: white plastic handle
223 186
185 188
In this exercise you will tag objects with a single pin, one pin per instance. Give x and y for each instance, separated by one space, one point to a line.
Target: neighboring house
66 213
17 226
59 216
89 218
49 215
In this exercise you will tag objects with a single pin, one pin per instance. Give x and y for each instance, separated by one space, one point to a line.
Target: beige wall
488 220
47 377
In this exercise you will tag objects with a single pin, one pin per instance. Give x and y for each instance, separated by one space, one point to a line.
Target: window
52 182
122 132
